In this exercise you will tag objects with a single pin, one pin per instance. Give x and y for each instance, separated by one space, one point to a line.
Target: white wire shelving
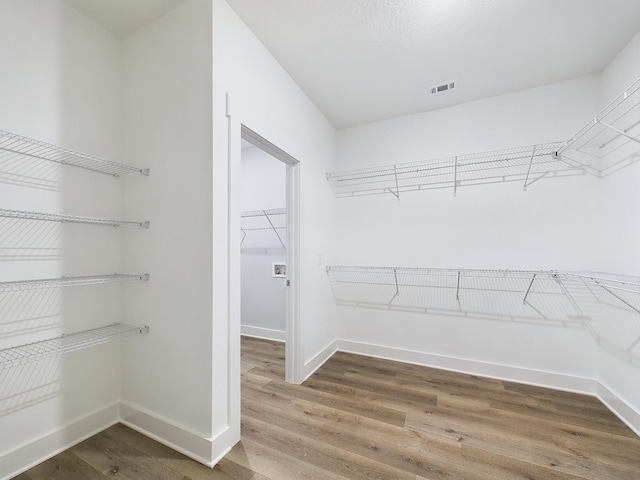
264 220
611 140
526 164
549 295
12 144
498 294
31 352
623 288
54 217
19 285
604 305
608 143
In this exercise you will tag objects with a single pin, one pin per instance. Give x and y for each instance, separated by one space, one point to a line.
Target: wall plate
279 270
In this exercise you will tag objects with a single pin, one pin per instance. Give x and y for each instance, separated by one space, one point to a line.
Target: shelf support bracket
618 297
397 192
533 154
618 131
274 228
524 300
244 235
458 291
395 295
455 178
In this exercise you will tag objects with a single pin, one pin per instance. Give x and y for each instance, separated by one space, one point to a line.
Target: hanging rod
526 164
53 217
19 285
31 352
17 144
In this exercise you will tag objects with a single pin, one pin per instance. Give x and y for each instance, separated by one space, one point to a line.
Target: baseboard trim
265 333
318 360
29 455
620 408
174 436
538 378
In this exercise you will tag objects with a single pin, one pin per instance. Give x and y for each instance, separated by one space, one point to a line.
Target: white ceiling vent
442 88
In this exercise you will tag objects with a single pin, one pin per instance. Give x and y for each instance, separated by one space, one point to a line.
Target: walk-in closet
320 239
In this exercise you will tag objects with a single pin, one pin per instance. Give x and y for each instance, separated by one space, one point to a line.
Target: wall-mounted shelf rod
12 144
15 286
31 352
54 217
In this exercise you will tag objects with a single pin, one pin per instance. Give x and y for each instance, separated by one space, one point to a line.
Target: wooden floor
364 418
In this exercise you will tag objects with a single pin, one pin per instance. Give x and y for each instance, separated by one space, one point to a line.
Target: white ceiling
124 17
362 61
366 60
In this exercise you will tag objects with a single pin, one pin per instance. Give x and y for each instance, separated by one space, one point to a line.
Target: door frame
293 351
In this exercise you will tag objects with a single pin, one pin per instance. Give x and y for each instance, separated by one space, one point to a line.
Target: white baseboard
316 362
208 451
175 436
266 333
620 408
501 372
26 456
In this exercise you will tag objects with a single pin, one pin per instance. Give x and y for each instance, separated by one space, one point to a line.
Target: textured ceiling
362 61
124 17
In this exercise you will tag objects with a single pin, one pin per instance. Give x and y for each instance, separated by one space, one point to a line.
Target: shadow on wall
608 308
28 247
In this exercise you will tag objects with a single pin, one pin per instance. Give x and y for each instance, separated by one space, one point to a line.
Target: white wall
264 98
167 384
553 225
619 362
264 187
60 84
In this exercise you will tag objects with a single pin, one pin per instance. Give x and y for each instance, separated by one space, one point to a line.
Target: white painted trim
623 410
293 347
177 437
265 333
318 360
557 381
28 455
294 366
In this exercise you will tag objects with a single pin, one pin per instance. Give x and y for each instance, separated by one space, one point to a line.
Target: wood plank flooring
364 418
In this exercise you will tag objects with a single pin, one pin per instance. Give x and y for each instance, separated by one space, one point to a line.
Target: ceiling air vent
442 88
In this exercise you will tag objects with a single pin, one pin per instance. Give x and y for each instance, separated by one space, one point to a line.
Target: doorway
274 258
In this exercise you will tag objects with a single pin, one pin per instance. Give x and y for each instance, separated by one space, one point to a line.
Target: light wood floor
363 418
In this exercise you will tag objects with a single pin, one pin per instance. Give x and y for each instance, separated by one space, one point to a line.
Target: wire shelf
526 294
485 293
31 352
526 164
605 145
11 144
20 285
621 287
264 220
611 140
53 217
